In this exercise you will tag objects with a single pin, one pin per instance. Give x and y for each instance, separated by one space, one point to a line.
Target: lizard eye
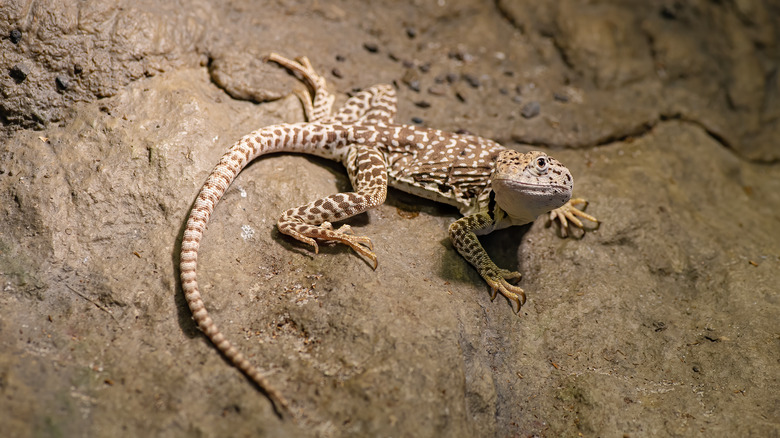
541 164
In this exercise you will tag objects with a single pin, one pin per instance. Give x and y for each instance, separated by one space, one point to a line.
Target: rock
62 82
19 72
656 323
15 36
530 110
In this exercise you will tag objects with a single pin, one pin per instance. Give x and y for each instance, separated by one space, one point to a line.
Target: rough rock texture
663 322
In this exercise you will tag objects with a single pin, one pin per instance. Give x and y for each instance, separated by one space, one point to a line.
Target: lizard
493 187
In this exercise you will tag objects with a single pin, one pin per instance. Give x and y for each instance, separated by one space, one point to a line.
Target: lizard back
437 165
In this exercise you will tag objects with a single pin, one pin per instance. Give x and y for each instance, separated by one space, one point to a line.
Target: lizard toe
569 215
513 294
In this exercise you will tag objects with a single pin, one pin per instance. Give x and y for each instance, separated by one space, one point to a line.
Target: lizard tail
235 159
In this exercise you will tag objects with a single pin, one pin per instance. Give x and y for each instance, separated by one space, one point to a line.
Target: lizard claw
568 213
497 282
361 245
345 235
308 233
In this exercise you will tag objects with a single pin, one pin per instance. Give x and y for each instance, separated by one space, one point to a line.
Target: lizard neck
518 212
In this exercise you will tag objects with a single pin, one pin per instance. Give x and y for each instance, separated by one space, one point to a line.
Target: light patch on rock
247 232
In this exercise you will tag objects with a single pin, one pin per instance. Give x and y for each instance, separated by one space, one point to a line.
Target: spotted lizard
494 188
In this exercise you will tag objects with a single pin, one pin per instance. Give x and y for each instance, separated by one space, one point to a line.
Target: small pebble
411 32
503 91
425 68
437 90
340 58
19 72
460 55
337 73
519 89
451 77
417 120
471 80
62 82
460 96
423 104
16 36
668 13
371 47
78 69
407 64
411 79
531 110
560 97
517 99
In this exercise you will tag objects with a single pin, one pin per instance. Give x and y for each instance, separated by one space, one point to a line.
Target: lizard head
527 185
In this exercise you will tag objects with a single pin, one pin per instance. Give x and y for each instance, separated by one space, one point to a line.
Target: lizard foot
569 213
325 231
497 280
301 66
316 108
360 244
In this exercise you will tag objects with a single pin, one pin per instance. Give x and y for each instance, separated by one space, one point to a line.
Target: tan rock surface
663 322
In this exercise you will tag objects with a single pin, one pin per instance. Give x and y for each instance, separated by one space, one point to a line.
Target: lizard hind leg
318 107
308 223
311 222
373 105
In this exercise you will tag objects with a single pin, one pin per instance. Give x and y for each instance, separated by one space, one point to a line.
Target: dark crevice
647 127
715 136
503 13
639 131
650 40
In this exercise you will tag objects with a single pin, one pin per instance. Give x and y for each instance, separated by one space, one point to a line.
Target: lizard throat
525 202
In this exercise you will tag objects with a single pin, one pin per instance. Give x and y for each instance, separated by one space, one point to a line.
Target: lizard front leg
368 173
463 234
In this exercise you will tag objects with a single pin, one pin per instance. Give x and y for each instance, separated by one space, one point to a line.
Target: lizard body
494 187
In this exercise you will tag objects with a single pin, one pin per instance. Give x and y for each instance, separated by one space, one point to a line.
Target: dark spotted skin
486 181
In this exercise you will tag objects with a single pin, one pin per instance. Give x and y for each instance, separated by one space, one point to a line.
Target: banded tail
309 138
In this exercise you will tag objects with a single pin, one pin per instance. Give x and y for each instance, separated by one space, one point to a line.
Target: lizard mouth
528 200
519 185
